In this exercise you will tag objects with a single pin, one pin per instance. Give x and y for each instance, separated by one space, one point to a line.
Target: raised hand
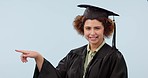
31 54
26 54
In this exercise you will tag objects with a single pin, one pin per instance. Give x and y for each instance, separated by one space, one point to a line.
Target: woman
95 60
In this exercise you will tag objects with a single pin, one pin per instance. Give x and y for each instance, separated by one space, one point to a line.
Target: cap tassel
114 36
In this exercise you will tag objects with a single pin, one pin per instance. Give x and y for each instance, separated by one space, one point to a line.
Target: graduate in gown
96 59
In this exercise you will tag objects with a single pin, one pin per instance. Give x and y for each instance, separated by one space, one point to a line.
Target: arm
39 61
44 69
120 68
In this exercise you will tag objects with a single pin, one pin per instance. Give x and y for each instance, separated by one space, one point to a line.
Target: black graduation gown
107 63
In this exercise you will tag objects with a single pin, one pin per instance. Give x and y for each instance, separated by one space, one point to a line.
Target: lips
93 38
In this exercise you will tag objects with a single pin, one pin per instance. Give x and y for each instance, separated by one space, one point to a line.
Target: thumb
26 55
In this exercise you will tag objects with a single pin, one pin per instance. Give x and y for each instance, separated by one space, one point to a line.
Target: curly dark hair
108 24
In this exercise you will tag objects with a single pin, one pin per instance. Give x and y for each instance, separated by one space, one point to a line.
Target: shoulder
117 53
116 56
78 50
113 53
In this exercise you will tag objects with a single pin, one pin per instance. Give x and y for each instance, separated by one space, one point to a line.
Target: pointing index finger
22 51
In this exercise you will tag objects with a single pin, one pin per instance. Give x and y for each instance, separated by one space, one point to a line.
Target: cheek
101 33
86 34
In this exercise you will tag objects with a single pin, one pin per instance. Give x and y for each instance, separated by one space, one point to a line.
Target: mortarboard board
96 12
93 12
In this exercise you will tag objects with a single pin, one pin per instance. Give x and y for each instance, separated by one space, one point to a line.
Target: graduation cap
92 12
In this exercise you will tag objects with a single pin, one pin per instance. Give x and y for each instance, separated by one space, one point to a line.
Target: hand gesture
26 54
31 54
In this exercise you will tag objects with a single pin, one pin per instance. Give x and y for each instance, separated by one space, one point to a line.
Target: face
93 31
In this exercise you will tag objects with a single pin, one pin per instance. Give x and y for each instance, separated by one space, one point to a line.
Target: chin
93 42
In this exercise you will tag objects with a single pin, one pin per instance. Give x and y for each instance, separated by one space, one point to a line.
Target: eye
87 28
97 28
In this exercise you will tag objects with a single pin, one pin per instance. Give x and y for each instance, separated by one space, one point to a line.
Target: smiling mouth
93 38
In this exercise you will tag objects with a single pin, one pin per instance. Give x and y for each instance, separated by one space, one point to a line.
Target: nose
92 32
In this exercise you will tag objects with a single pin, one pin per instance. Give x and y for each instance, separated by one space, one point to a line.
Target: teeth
93 38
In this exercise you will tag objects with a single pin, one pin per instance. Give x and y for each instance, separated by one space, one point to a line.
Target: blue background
46 26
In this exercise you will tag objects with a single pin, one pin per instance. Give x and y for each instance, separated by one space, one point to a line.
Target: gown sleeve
47 71
119 67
